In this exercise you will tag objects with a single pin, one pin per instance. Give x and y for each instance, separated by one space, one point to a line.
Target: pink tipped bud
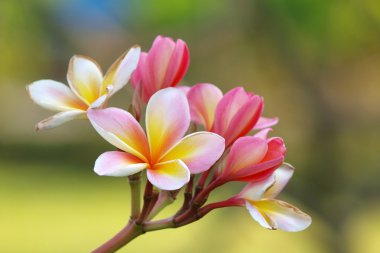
163 66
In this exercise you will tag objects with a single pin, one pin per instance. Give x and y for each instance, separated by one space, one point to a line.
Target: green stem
135 185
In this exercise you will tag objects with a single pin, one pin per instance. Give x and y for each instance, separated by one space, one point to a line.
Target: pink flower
163 66
232 115
87 87
168 156
252 158
259 199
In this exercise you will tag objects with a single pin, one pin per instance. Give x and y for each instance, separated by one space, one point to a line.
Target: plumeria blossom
87 87
163 66
168 156
259 199
232 115
223 153
253 158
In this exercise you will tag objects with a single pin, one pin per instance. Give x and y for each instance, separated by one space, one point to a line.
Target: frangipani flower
259 199
253 158
87 87
168 156
232 115
163 66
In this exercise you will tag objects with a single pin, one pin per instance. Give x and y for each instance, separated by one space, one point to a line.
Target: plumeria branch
127 234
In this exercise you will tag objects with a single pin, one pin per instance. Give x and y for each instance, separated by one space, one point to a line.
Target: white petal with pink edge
60 118
281 175
167 120
199 151
256 190
53 95
121 70
170 175
118 164
85 78
281 215
120 129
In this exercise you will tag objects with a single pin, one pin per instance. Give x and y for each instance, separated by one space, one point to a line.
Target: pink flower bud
252 158
163 66
232 115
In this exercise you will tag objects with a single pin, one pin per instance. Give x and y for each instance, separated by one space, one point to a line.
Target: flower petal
203 100
167 120
263 134
281 215
120 129
244 119
121 70
60 118
178 64
227 108
256 190
281 176
265 123
137 74
158 60
276 148
85 78
185 89
257 215
170 175
54 96
245 152
118 164
274 157
199 151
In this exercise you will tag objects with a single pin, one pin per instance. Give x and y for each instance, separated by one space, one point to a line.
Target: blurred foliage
315 62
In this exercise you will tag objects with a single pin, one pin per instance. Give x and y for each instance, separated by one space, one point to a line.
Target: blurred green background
317 63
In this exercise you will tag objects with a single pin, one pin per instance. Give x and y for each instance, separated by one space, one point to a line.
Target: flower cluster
233 144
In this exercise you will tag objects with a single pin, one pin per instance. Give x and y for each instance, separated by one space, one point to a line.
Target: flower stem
188 195
148 197
135 185
127 234
165 198
202 181
160 224
201 198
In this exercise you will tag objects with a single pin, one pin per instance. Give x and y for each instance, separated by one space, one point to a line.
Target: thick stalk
127 234
160 224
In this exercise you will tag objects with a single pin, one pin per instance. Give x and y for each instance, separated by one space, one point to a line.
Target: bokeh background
317 63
